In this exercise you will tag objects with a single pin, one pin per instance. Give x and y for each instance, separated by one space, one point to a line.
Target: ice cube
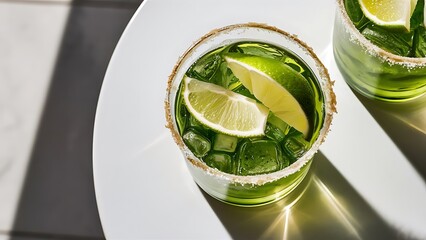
259 157
274 133
225 143
196 142
276 128
220 161
295 146
205 67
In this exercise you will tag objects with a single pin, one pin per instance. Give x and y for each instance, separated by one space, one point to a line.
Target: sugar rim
372 49
329 108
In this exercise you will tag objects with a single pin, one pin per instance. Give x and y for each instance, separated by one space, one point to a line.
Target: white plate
143 188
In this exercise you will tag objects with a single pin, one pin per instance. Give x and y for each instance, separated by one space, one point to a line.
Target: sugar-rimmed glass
258 189
372 71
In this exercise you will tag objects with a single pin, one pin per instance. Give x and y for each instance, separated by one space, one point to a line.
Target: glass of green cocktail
249 105
380 48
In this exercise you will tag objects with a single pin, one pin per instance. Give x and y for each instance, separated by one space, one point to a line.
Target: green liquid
396 41
373 75
278 148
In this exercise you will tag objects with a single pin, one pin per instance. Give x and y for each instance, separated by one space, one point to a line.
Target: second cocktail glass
370 70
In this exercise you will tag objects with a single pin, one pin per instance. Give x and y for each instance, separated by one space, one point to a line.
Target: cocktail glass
252 190
372 71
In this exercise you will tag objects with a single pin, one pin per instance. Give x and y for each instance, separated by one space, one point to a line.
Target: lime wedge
280 88
389 13
223 110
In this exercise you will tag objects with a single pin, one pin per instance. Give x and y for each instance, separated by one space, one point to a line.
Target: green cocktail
249 105
381 59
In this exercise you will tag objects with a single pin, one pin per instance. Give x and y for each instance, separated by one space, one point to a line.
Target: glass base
251 195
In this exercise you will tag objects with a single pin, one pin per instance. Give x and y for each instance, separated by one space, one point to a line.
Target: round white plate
143 188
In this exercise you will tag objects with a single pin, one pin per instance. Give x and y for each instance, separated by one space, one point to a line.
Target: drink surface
279 146
401 42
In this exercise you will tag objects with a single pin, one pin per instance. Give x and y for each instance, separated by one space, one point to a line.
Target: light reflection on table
324 206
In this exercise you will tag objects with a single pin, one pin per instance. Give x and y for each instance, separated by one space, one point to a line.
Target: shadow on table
58 198
405 124
325 206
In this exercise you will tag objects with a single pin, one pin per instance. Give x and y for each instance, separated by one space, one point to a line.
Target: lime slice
279 87
389 13
223 110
